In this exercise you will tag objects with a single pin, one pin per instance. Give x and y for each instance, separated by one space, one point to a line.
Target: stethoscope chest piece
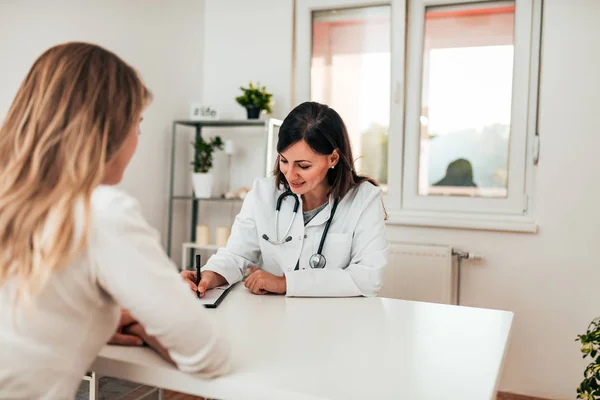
317 261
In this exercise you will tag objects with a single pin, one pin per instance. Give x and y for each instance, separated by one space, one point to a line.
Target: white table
351 348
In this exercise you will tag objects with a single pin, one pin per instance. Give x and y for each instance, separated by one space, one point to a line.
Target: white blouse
46 349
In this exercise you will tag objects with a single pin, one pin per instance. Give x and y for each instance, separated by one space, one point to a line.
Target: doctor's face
304 169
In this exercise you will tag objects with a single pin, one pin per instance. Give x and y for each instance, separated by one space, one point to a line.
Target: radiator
421 272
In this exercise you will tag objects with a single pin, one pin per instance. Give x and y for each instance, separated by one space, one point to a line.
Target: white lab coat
355 246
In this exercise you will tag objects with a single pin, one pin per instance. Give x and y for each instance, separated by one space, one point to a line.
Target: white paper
211 296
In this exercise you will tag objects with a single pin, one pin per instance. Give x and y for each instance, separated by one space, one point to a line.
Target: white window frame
303 54
515 203
404 205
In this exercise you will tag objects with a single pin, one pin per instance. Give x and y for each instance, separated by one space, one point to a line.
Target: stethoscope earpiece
287 239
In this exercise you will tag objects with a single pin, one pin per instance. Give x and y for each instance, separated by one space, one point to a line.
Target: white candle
221 236
202 234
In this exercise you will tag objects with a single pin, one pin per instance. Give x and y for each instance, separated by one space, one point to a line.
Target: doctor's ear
334 158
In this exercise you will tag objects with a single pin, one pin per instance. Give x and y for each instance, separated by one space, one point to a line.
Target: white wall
162 40
550 280
244 41
247 41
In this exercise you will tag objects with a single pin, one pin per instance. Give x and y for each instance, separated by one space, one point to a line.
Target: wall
244 41
162 40
247 41
549 279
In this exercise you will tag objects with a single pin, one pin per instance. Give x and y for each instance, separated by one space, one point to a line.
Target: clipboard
214 297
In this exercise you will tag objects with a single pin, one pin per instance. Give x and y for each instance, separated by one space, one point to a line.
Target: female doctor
316 227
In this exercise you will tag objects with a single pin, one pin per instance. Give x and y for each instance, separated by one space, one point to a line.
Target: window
350 71
446 88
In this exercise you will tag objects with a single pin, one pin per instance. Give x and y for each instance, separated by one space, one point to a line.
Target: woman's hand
138 330
121 337
261 282
209 280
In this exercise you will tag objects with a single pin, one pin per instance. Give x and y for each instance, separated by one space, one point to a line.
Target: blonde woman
74 250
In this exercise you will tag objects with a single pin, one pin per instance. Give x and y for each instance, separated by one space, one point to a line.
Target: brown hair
70 116
324 130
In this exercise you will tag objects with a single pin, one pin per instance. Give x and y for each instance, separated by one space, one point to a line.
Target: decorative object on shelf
202 179
201 112
255 99
238 194
202 234
229 150
229 147
195 201
589 389
222 235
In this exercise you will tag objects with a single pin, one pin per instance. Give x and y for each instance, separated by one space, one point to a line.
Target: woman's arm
131 266
121 337
137 330
368 258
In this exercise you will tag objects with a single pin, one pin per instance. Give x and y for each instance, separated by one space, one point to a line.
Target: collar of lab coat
318 219
323 215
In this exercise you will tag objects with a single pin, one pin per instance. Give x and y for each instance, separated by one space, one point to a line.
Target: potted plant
255 99
202 179
589 389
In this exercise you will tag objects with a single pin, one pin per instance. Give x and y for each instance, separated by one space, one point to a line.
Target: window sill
501 223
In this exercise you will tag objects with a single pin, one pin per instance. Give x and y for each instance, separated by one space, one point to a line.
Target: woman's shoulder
365 192
110 198
113 206
266 187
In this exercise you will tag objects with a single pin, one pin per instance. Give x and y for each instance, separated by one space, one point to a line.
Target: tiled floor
112 388
179 396
108 388
501 396
510 396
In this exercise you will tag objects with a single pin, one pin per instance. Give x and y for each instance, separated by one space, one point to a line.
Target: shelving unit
198 125
187 246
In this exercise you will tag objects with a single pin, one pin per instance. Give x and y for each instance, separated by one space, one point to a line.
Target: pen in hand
198 274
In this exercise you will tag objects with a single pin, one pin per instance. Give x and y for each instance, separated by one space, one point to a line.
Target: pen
198 274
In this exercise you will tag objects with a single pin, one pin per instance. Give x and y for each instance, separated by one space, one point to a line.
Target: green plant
589 389
255 96
203 155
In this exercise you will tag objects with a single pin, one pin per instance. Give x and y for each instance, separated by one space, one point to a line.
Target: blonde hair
70 116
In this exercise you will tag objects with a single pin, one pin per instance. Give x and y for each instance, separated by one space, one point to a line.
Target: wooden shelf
191 245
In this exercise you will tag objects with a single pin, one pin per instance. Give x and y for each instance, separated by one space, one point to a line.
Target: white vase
202 183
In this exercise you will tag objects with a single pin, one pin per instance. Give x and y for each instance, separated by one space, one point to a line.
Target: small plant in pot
255 99
589 389
202 179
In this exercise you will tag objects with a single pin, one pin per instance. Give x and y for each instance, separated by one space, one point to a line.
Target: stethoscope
317 260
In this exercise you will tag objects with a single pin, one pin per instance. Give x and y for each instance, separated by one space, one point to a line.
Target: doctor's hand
261 282
209 280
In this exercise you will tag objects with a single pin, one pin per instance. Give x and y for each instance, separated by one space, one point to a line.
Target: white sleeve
243 248
131 266
363 276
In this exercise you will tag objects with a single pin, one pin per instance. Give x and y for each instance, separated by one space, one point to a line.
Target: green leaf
203 154
589 388
255 96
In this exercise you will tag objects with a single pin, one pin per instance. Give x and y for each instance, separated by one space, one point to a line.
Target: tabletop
339 348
